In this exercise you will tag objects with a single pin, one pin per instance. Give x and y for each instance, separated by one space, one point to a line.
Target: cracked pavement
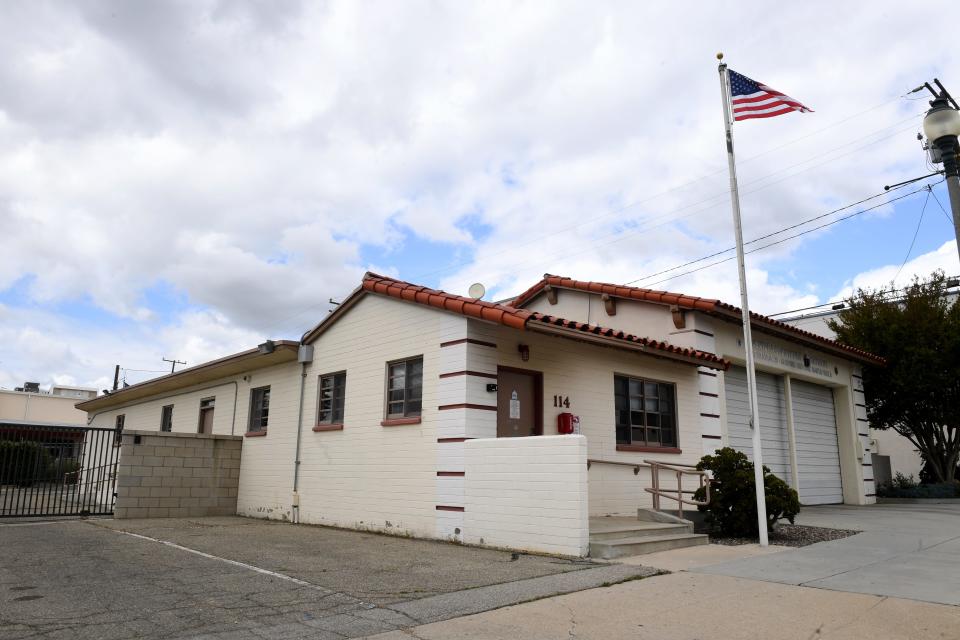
241 578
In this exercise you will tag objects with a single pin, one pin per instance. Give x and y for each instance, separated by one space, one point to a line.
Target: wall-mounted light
524 352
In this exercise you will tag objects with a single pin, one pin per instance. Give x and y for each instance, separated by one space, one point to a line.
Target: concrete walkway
709 598
694 606
235 578
905 550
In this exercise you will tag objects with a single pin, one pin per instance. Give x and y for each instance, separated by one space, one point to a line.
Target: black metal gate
57 471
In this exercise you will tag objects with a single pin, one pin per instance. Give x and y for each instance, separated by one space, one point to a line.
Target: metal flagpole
745 306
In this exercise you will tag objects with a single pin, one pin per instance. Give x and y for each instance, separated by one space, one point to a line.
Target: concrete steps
616 537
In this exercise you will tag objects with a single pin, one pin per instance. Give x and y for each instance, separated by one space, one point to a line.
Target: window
259 409
331 391
404 388
205 419
645 412
118 435
166 418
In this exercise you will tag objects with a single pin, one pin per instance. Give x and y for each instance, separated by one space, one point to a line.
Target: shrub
63 470
901 481
732 511
22 462
940 490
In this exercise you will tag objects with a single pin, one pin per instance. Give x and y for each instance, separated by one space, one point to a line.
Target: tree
917 393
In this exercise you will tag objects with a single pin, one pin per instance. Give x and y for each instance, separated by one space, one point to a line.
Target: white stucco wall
585 374
266 475
528 493
41 407
370 476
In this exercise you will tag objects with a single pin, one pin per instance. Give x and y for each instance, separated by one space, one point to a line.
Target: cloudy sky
185 179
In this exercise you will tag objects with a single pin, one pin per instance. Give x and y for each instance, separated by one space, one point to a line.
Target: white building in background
893 453
414 411
30 404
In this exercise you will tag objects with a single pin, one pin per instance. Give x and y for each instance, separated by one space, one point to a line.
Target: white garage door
773 419
818 454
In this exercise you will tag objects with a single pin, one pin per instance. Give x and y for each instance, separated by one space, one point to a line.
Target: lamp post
941 125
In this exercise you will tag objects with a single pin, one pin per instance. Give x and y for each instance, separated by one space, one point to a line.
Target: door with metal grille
57 470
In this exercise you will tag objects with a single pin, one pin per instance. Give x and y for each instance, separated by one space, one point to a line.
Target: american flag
752 99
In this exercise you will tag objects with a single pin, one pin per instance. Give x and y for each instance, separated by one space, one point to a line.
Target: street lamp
941 125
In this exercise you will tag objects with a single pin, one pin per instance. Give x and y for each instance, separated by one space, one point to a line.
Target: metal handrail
88 470
680 471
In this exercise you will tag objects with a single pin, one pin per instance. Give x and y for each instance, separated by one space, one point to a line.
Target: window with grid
645 412
404 388
259 409
166 418
331 392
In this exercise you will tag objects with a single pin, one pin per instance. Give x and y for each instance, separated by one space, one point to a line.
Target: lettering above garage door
792 359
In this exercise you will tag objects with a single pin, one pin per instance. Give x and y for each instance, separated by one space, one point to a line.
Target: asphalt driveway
242 578
905 551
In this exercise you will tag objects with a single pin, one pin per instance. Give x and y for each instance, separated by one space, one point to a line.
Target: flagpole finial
720 55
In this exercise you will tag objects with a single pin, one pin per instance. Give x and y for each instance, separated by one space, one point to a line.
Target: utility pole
173 363
116 377
941 125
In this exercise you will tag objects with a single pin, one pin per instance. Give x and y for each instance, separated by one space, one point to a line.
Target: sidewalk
691 606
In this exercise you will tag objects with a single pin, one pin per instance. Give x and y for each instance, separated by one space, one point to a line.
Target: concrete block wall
527 493
174 475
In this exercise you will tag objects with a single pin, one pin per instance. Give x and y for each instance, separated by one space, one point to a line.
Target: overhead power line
892 294
768 245
783 230
709 201
915 233
589 220
794 226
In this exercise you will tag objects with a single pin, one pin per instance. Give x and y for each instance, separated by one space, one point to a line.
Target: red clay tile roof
512 317
501 314
706 305
606 332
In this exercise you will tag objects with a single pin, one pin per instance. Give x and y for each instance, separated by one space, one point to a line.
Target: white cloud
945 259
249 158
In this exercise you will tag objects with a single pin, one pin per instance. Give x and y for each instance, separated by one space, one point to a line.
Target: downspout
296 460
233 420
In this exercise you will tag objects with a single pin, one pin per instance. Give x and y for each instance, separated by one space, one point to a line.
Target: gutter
305 356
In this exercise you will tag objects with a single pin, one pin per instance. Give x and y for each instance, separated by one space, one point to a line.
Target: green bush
63 470
22 462
732 511
922 491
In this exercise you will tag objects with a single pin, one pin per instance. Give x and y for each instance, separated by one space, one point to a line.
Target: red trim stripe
468 341
444 507
771 114
467 405
445 440
478 374
451 474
